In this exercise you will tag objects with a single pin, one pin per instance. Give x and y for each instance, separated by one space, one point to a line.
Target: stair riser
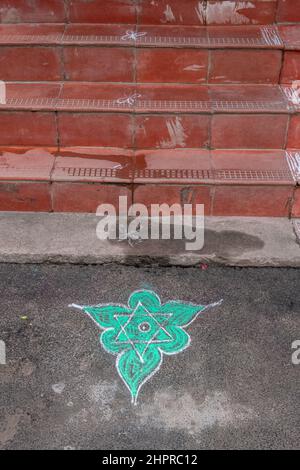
191 12
25 196
103 64
229 200
294 132
288 11
265 131
59 197
210 12
296 204
291 67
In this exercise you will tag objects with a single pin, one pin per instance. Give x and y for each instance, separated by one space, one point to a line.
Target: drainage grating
246 105
90 172
262 37
71 39
184 174
30 38
30 102
137 104
173 174
205 42
170 105
89 104
252 175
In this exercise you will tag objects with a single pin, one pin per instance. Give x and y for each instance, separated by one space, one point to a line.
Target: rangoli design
140 333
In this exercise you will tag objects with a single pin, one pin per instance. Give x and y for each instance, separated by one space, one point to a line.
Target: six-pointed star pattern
132 331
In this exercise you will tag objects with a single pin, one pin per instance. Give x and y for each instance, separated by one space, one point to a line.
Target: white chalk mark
182 412
169 15
229 12
131 100
76 306
58 388
215 304
293 160
2 353
177 134
200 11
132 35
2 92
292 94
270 36
194 68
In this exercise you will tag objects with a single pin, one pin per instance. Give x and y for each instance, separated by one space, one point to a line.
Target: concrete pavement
71 238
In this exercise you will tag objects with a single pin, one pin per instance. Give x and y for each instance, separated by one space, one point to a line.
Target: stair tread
155 98
150 166
248 183
213 37
149 54
34 164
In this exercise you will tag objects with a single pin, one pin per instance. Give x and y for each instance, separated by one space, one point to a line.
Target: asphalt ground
234 387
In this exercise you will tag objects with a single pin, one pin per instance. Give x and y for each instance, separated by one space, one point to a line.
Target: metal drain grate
137 104
31 102
176 105
173 174
90 172
263 37
252 175
184 174
30 38
94 39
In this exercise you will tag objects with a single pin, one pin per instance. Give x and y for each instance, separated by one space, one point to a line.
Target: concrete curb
71 238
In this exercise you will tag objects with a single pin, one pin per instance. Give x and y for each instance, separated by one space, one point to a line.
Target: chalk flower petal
181 340
135 372
149 300
104 315
182 313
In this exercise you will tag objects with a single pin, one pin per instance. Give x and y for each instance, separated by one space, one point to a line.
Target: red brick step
245 183
189 12
162 54
156 116
160 101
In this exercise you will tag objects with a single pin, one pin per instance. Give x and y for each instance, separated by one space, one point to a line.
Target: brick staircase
165 101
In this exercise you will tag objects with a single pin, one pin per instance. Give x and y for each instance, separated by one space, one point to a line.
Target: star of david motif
142 328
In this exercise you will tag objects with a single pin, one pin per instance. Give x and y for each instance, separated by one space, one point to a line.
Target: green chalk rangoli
140 333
